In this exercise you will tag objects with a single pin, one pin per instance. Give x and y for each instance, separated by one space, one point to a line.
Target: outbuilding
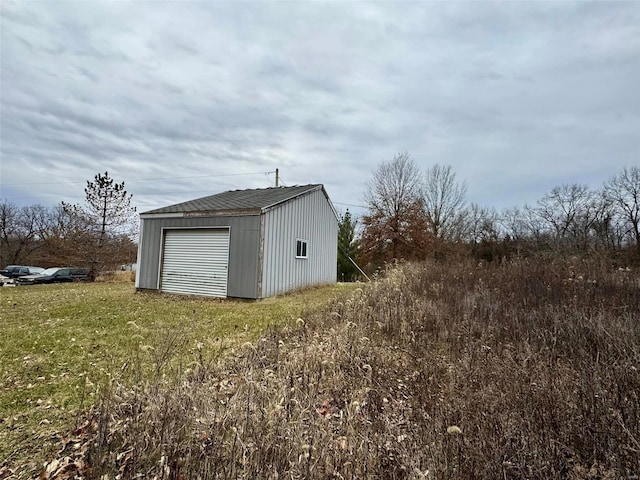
240 243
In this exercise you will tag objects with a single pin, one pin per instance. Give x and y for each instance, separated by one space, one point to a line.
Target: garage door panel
195 262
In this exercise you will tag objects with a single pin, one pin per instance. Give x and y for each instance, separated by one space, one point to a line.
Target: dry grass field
528 369
61 344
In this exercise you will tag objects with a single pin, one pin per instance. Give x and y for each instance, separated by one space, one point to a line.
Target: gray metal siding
309 217
195 261
243 250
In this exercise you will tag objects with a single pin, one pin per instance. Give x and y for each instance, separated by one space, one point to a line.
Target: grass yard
60 343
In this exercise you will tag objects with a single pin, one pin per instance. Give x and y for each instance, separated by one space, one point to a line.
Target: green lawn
59 343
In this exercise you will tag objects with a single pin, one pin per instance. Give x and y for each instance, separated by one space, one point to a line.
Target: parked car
15 271
55 275
11 272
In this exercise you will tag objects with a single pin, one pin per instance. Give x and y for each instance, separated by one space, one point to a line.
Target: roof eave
312 189
145 216
225 213
288 199
333 209
203 213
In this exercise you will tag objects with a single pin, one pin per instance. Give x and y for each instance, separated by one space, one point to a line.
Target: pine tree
347 248
109 217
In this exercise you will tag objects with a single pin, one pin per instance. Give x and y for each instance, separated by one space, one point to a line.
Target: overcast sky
186 99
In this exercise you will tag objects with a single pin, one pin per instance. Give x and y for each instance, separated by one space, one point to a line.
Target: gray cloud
517 97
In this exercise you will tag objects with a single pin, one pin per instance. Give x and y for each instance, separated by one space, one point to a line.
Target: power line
151 194
202 176
136 195
164 193
350 204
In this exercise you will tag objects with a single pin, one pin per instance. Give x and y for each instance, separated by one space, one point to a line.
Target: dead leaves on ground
71 456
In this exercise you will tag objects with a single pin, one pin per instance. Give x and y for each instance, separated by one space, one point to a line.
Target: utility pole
277 177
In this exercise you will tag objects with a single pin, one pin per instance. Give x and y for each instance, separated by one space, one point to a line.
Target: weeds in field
520 370
60 343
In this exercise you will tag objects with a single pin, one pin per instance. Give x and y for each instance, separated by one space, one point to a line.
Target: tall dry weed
515 370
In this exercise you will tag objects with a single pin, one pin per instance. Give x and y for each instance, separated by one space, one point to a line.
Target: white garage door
195 262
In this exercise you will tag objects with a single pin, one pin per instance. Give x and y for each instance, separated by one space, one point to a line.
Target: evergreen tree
347 248
109 218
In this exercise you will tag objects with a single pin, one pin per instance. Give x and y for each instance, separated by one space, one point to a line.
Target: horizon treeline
414 215
99 234
411 215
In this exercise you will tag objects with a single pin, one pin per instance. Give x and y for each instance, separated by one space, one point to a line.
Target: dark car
55 275
11 272
15 271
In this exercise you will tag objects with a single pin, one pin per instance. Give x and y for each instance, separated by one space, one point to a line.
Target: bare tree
513 225
8 220
71 238
523 229
567 210
443 200
393 200
591 228
623 190
481 224
22 231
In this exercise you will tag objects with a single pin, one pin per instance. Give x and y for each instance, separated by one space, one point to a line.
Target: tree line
414 215
411 215
98 234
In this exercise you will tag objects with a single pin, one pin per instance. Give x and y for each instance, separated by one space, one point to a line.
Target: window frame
302 246
63 272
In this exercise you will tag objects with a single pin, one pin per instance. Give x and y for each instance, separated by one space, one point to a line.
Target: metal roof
240 201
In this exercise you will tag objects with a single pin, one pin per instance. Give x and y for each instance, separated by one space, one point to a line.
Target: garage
252 243
195 261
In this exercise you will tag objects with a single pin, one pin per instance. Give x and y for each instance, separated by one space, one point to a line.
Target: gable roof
240 202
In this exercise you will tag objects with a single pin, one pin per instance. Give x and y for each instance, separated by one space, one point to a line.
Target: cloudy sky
185 99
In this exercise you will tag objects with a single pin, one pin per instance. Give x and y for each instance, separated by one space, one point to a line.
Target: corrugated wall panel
195 262
309 218
243 250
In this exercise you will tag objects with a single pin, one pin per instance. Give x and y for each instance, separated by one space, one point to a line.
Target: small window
301 249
